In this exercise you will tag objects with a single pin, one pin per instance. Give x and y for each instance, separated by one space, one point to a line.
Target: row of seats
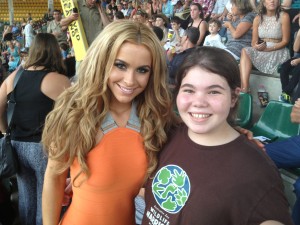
37 8
274 123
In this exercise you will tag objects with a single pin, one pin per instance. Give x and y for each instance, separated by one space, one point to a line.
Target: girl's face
195 12
271 5
204 101
130 74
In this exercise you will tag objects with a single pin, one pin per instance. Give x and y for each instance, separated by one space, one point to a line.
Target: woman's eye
143 70
121 66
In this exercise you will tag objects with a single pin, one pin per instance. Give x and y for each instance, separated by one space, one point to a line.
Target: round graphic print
171 188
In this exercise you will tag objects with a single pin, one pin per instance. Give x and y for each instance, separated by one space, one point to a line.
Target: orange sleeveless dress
117 166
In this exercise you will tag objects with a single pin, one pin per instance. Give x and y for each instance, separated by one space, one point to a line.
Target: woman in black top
40 84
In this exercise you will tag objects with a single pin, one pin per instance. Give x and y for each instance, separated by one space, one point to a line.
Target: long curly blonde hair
71 128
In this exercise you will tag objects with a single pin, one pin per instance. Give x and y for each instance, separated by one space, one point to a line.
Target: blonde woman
108 128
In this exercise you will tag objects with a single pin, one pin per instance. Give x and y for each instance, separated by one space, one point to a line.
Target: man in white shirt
29 33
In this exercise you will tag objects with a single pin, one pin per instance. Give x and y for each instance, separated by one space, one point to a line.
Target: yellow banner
75 29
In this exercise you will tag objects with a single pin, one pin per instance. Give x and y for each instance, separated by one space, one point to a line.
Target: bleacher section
22 7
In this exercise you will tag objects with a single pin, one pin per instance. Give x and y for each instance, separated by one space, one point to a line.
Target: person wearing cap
161 21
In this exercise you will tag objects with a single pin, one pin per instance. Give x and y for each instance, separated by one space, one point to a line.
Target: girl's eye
143 70
214 92
121 66
188 91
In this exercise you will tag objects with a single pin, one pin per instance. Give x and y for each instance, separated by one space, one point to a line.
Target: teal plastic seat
244 112
275 122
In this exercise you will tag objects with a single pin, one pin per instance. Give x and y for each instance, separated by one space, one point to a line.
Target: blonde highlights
71 128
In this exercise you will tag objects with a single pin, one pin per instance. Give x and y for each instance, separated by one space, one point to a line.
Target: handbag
8 158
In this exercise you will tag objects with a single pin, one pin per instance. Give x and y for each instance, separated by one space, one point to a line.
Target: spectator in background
118 15
130 9
198 22
29 17
156 7
38 87
54 27
64 50
167 9
291 67
159 33
218 9
29 33
271 35
161 21
48 16
119 7
140 16
7 34
179 7
125 10
207 7
93 18
239 30
214 39
187 44
286 154
175 34
14 56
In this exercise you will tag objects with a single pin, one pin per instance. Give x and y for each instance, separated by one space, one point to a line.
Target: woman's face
271 5
204 104
235 10
130 73
195 12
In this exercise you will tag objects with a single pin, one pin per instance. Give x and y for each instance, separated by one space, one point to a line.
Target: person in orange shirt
107 128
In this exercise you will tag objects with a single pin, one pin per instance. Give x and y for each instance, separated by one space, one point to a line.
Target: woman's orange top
117 166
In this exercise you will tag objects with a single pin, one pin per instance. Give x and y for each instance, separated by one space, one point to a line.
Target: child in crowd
175 34
172 46
208 173
214 39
